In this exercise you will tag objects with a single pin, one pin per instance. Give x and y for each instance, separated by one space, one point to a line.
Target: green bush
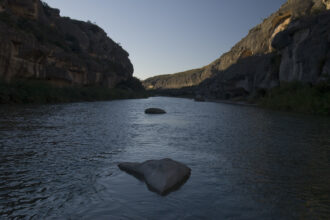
6 18
299 97
24 92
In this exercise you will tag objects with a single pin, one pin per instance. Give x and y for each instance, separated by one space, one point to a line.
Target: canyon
290 45
36 43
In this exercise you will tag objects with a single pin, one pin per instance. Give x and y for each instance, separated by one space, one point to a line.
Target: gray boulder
199 98
155 111
161 176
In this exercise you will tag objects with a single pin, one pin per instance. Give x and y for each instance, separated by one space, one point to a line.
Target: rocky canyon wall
37 43
292 44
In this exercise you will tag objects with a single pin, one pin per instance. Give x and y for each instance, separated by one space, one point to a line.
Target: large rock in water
154 111
161 176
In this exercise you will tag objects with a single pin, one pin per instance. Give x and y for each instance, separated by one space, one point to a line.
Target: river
60 161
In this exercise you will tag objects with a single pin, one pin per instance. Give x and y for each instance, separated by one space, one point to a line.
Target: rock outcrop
298 52
305 49
155 111
37 43
290 45
161 176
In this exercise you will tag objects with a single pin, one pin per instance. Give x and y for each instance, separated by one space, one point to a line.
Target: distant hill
175 81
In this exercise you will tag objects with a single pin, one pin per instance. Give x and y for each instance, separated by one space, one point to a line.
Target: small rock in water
161 176
199 98
154 111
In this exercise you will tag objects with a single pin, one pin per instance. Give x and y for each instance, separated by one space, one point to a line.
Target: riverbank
294 97
229 102
42 92
298 97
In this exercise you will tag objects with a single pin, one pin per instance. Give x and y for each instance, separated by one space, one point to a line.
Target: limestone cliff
37 43
291 44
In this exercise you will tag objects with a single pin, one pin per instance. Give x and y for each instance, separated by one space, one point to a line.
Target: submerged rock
155 111
199 98
161 176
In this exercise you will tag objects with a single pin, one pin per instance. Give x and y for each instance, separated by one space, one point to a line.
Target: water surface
60 161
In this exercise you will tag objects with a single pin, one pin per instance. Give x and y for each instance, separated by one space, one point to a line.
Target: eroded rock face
36 43
304 47
258 46
243 78
161 176
326 3
291 44
28 8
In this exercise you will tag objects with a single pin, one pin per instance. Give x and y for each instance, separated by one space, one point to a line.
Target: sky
169 36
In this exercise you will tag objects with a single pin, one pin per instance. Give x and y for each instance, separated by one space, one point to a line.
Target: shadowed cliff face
301 52
36 43
291 44
259 40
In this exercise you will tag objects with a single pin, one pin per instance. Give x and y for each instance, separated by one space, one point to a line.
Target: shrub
43 92
299 97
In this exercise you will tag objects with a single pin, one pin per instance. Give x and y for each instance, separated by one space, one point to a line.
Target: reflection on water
59 161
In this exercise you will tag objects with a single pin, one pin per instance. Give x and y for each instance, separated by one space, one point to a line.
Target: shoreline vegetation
40 92
289 97
298 97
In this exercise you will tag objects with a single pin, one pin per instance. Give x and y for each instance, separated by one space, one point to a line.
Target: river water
60 161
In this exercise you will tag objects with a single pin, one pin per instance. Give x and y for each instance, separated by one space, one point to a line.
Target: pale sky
169 36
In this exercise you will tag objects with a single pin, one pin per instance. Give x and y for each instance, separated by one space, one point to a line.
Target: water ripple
60 161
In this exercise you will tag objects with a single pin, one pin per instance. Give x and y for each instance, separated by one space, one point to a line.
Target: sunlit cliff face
327 3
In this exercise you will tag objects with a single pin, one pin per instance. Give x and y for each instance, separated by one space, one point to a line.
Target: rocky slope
36 43
292 44
175 81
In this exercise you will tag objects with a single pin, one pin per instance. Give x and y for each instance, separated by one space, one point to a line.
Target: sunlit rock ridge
37 43
292 44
